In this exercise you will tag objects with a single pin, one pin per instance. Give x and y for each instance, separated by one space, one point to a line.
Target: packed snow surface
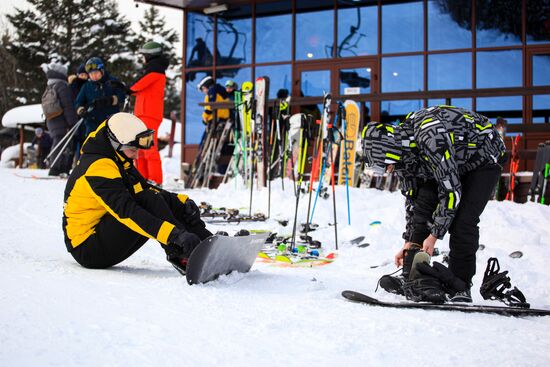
142 312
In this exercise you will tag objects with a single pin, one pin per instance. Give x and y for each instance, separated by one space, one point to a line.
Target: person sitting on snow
110 210
449 160
100 97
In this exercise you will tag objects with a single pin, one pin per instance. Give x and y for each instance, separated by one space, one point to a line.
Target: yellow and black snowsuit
110 210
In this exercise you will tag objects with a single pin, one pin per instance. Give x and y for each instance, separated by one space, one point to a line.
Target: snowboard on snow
499 310
220 255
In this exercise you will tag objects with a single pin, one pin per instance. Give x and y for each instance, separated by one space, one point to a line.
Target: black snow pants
477 188
113 242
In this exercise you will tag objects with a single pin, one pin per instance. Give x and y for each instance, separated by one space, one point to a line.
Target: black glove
192 213
103 102
444 274
181 243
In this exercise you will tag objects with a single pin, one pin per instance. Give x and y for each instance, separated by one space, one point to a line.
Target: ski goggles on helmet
144 140
91 66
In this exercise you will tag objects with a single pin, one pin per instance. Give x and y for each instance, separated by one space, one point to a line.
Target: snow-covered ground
143 313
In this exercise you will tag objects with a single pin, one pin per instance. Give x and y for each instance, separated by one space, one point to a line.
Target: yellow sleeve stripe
451 200
164 231
183 198
103 167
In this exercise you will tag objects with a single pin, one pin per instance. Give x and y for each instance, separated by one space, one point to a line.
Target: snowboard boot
180 264
394 284
464 296
421 287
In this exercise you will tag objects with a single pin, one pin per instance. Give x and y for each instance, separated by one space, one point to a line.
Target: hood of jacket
158 64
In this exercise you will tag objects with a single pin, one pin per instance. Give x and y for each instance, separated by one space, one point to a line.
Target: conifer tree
153 28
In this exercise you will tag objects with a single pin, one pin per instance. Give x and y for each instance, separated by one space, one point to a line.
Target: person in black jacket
449 160
60 125
76 82
110 210
44 142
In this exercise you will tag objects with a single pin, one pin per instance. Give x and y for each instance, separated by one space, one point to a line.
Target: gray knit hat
58 68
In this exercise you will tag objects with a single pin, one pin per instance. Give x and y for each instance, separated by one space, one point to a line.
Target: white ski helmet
207 82
127 131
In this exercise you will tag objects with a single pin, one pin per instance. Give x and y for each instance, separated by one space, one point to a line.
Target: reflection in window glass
444 30
457 102
357 31
538 21
450 71
355 81
499 69
194 127
238 75
279 77
541 70
509 108
200 40
395 111
314 35
274 38
234 41
314 83
498 23
541 108
402 74
402 27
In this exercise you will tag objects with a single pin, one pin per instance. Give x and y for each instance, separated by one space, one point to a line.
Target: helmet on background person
127 131
207 82
93 64
381 146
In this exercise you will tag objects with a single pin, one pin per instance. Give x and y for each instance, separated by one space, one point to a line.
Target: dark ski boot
464 296
422 287
394 284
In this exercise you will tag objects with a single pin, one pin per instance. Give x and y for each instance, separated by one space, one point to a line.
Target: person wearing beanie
110 211
449 161
149 107
100 97
58 93
44 142
76 82
230 88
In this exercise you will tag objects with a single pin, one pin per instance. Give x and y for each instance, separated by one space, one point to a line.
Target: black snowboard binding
496 285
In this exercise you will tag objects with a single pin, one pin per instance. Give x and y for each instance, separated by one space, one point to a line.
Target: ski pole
62 141
67 141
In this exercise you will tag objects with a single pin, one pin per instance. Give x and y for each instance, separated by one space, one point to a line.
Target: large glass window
541 108
314 35
509 108
274 38
402 74
357 31
355 81
238 75
280 77
457 102
538 21
314 83
541 70
194 128
234 41
402 27
499 69
395 111
449 26
498 23
200 40
450 71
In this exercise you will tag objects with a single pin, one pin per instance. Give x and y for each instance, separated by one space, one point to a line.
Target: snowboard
469 308
219 255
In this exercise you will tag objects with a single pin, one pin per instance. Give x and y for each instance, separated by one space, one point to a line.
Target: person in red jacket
149 106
